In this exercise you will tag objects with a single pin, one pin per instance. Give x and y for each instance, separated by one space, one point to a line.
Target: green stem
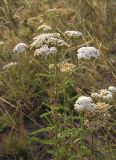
82 134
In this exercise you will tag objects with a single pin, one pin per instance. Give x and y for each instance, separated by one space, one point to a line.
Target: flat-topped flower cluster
87 53
50 39
64 68
73 34
20 48
45 51
105 94
84 103
67 67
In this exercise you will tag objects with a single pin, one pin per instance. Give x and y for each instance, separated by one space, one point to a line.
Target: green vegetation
57 90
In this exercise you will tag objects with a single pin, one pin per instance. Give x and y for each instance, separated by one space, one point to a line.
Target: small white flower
50 39
51 66
1 42
73 34
47 35
61 43
83 103
95 95
44 28
45 51
87 53
112 89
9 65
105 94
20 48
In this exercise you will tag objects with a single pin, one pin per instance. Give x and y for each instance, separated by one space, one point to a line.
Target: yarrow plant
73 34
20 48
54 89
87 53
45 51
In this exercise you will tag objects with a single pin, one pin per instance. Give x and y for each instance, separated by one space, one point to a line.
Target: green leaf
42 130
44 75
46 114
43 141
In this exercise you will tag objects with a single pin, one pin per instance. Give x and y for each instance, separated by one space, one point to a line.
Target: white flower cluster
112 89
84 103
50 39
9 65
45 51
20 48
44 28
87 53
52 66
73 34
95 95
106 94
103 93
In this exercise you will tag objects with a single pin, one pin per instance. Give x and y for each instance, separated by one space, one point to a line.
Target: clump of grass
15 143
